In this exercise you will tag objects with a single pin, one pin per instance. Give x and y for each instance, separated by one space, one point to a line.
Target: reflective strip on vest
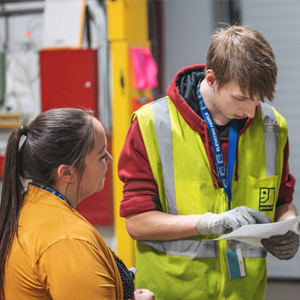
192 248
189 248
248 250
203 249
270 128
165 144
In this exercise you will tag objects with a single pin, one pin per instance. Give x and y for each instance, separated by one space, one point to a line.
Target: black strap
127 278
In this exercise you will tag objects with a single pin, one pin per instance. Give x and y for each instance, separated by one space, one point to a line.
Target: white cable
31 26
1 43
104 100
23 77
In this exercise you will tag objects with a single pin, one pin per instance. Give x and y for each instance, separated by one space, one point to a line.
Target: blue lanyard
48 189
233 133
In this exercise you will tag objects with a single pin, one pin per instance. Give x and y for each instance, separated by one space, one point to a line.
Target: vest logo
266 199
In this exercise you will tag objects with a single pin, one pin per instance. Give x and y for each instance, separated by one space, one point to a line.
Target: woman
47 249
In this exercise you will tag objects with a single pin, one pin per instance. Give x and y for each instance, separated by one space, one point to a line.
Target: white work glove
230 220
283 246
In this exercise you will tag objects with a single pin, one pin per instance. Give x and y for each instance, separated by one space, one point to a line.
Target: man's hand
230 220
283 246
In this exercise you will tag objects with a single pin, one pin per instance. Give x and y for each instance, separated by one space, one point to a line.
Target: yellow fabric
182 277
58 254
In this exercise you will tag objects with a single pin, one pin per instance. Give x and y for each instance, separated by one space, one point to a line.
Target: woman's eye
104 156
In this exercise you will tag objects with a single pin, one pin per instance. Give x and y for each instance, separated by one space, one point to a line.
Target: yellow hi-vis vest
195 267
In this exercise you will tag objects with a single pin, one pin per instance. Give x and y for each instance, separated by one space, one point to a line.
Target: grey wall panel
187 30
279 22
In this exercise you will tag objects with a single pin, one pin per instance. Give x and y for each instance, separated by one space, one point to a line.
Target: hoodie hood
182 92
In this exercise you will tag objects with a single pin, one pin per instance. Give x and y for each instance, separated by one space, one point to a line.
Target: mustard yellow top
58 254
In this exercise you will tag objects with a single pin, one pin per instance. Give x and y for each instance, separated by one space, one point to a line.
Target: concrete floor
283 290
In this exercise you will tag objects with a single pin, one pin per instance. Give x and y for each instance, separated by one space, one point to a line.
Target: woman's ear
210 78
66 173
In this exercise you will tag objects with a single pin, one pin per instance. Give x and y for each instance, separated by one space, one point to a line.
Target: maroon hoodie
140 191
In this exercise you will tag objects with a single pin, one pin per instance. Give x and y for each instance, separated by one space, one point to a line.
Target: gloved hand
230 220
283 246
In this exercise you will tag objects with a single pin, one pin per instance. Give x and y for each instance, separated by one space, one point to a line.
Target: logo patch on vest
266 199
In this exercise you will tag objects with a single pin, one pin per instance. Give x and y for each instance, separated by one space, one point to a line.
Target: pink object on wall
144 68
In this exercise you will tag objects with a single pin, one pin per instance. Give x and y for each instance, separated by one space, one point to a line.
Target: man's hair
243 55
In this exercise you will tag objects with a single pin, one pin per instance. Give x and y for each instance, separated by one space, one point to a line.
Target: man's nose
249 109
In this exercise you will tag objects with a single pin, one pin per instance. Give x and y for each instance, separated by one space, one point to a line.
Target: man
202 162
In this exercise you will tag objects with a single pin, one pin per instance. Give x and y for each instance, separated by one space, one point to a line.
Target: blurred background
115 56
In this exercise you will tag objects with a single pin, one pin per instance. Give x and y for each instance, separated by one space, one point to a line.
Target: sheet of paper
252 234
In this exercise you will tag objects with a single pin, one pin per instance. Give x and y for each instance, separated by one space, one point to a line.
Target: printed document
252 234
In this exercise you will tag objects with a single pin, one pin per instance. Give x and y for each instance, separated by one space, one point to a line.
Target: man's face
232 103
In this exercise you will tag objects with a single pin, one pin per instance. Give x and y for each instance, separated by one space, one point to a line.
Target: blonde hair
243 55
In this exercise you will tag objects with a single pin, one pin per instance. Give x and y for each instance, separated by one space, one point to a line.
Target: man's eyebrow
241 96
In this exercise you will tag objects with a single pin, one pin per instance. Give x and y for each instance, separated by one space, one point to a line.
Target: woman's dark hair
55 137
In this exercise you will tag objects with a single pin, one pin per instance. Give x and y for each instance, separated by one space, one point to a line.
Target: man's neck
207 94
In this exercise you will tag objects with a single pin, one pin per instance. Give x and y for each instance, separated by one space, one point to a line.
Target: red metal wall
69 78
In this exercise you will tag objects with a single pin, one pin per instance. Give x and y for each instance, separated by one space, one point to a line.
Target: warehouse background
179 34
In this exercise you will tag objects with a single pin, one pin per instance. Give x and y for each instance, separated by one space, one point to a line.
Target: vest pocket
261 194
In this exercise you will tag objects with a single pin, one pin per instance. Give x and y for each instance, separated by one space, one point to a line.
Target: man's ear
66 173
210 78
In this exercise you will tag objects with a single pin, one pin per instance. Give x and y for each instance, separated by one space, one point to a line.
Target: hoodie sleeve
140 192
286 189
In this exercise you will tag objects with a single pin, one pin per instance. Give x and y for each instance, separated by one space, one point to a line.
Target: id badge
235 263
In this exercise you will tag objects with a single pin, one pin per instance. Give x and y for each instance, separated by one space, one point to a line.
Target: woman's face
95 164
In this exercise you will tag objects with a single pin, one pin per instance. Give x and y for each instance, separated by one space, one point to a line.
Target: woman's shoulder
46 220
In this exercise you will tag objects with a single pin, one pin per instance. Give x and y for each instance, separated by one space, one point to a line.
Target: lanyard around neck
233 133
50 190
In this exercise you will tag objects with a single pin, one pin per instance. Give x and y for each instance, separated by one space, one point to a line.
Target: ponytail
12 198
55 137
